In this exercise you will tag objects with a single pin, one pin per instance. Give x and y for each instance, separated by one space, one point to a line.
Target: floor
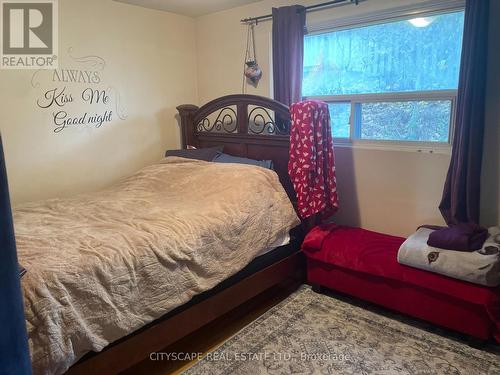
215 334
330 333
212 335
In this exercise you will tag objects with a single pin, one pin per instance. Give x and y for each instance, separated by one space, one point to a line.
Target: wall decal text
65 91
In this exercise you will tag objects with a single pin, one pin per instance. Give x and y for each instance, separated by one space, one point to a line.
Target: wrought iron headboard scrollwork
235 114
261 121
246 125
226 121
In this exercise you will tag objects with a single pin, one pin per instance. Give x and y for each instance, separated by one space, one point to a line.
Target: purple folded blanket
461 237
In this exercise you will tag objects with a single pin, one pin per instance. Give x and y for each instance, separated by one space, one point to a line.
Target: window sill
424 148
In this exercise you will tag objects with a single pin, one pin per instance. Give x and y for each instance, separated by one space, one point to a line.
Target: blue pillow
206 154
225 158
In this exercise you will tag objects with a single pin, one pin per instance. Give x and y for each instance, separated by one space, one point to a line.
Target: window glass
390 57
399 77
424 121
340 114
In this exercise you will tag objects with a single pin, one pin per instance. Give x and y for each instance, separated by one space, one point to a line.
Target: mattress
102 265
283 240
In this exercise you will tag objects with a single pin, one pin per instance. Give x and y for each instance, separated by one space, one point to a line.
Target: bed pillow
225 158
206 154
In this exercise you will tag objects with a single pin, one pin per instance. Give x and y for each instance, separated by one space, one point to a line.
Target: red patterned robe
312 164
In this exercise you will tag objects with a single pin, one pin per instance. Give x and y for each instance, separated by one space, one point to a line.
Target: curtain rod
308 8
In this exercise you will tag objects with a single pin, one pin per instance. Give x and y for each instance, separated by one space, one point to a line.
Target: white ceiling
191 8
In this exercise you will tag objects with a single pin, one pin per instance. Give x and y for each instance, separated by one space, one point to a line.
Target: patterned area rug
309 333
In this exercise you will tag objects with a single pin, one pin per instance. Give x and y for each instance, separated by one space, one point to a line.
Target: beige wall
387 191
150 58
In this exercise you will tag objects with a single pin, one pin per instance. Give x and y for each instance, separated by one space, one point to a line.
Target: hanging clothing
311 165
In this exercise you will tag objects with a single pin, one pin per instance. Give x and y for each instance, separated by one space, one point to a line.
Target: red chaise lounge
364 264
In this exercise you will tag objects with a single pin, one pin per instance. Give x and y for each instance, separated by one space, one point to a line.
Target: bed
117 274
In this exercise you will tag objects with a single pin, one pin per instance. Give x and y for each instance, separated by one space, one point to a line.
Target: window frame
425 9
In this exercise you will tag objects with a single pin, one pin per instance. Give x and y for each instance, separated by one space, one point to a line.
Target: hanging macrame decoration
251 69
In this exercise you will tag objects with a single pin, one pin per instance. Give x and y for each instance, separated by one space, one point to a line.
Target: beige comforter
102 265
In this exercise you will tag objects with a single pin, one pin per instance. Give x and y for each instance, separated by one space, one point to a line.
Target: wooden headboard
246 125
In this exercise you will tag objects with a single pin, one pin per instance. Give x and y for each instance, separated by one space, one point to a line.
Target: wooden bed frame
247 126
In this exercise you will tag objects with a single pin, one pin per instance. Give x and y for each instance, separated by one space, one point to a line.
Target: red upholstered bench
364 264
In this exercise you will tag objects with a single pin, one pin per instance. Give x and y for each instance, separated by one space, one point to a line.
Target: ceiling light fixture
421 21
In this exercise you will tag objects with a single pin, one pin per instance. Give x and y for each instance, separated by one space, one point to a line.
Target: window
394 81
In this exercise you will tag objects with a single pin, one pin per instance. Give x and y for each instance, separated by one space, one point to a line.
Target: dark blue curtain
460 201
14 354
